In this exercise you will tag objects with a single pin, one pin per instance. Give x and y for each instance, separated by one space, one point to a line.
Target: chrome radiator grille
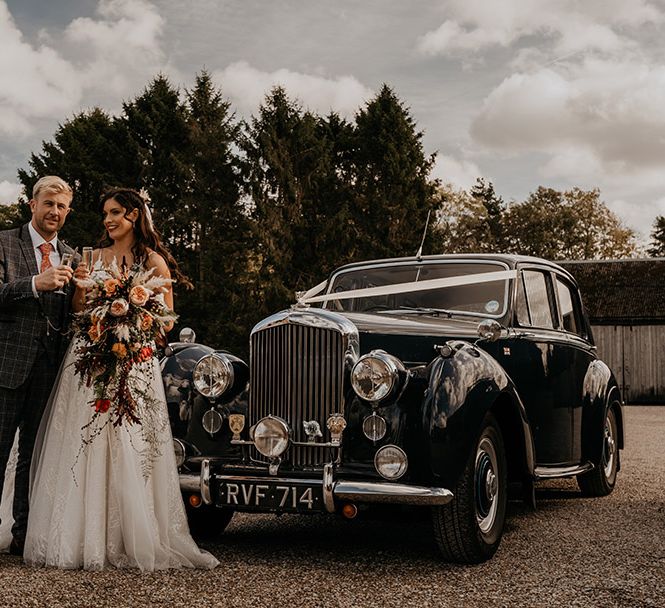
297 373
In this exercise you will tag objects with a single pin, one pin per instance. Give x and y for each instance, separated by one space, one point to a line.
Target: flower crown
145 197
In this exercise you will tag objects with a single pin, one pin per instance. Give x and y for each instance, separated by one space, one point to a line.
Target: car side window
521 308
538 300
568 308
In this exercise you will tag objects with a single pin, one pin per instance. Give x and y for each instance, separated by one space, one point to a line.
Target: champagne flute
87 257
66 260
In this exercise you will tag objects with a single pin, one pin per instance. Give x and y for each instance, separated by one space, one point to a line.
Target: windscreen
482 299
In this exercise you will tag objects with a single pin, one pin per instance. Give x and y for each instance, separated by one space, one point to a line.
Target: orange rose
110 285
93 333
139 295
146 321
119 350
119 307
145 354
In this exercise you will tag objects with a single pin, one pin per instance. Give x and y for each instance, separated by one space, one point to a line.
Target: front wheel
207 522
601 480
469 528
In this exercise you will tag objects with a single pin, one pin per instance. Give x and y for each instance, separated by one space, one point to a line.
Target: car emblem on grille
336 425
312 430
236 424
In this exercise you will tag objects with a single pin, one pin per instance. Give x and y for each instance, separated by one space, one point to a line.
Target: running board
555 472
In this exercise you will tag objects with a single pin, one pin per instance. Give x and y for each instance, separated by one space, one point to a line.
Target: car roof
512 260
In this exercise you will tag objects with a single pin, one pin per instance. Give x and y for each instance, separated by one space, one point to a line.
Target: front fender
600 392
462 389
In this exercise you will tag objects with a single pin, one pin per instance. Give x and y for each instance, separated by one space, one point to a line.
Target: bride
92 503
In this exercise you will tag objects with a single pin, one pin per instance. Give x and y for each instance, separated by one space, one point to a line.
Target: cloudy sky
525 93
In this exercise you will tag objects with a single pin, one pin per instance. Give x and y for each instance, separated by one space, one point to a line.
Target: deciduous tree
573 225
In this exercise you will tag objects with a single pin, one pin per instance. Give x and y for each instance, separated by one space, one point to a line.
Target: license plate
271 496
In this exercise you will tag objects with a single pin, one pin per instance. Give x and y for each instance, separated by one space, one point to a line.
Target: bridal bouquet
125 314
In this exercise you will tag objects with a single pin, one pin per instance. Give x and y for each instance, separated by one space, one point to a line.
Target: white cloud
9 192
34 82
460 173
600 108
123 45
115 52
247 86
476 25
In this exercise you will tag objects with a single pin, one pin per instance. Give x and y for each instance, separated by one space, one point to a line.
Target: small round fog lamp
213 375
271 436
374 427
391 462
212 421
179 450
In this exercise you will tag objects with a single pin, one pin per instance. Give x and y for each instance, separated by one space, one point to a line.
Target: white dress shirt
54 256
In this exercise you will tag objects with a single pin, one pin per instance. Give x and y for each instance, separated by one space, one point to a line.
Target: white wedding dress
96 506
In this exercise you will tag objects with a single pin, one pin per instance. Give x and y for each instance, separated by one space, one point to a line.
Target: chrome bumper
348 491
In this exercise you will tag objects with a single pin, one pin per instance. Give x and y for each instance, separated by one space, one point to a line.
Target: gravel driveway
570 552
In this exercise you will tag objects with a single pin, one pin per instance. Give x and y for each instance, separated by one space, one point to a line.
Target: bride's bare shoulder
157 261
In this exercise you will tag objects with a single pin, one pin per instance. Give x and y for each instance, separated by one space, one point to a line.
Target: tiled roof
622 292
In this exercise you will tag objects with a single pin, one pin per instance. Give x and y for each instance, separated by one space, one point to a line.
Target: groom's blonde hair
52 184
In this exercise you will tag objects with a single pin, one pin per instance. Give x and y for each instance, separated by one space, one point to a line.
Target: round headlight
213 375
179 450
374 375
391 462
374 427
212 421
271 436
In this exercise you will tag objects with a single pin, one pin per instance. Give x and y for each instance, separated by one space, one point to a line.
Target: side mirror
489 329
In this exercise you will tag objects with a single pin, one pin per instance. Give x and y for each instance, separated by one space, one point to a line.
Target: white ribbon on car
310 296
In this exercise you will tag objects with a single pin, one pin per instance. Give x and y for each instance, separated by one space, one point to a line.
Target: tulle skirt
95 505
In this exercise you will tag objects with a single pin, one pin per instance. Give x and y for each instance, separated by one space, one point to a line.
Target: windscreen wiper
421 310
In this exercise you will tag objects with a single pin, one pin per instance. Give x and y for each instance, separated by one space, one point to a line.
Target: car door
538 362
577 357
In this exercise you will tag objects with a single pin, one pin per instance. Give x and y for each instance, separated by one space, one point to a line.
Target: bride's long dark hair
145 234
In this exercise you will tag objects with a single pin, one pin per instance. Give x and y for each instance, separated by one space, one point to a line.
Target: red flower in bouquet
102 405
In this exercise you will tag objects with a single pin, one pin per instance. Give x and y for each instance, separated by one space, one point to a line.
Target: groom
32 322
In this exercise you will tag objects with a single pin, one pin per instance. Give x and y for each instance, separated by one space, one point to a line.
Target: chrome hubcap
486 485
609 448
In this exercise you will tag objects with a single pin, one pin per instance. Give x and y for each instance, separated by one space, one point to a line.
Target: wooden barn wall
636 355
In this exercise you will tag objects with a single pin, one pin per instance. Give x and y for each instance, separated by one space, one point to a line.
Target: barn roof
621 292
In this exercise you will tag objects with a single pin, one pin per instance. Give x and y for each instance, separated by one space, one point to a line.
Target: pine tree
657 248
216 251
492 216
285 150
392 192
91 151
157 123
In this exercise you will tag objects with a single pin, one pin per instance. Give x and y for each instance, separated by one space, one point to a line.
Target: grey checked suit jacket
23 318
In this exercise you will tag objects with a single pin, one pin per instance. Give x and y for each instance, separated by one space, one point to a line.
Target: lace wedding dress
95 505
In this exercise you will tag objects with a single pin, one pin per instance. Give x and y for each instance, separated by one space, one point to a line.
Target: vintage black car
428 381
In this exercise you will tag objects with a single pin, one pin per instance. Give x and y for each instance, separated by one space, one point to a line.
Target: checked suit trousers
22 409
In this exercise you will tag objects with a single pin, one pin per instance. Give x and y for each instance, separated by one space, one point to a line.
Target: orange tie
46 249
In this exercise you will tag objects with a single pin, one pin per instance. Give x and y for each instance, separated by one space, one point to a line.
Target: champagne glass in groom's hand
67 259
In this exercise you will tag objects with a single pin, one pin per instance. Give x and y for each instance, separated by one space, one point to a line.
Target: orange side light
195 500
349 510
